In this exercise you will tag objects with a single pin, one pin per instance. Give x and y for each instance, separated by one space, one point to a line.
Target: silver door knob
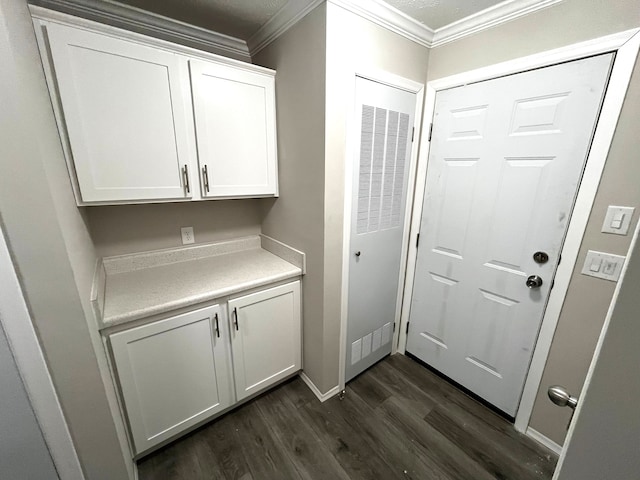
534 281
561 397
358 253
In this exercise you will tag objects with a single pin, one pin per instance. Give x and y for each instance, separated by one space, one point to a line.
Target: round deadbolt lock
540 257
534 281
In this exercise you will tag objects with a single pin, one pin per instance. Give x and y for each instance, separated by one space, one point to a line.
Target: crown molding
285 18
490 17
383 14
151 24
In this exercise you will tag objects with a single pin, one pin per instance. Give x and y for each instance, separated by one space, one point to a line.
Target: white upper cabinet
144 120
125 114
235 130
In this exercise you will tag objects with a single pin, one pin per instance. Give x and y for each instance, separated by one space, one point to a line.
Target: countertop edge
196 299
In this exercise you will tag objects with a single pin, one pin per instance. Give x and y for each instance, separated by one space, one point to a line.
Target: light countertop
139 286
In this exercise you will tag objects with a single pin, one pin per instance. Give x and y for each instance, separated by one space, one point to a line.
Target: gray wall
297 217
23 451
121 229
50 245
604 443
588 298
353 44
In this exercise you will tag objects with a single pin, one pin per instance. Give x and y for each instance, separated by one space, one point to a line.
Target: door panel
235 130
173 373
380 179
505 162
266 342
124 109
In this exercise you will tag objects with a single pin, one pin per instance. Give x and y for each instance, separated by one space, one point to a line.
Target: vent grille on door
383 149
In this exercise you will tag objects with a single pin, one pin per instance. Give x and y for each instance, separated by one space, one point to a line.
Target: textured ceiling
438 13
242 18
237 18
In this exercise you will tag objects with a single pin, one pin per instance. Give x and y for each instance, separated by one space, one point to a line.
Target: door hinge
430 131
417 240
559 259
407 331
413 132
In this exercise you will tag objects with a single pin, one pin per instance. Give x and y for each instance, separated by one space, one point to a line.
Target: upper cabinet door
124 110
235 130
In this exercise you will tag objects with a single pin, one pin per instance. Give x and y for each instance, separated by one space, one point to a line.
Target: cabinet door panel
235 130
173 374
266 345
125 115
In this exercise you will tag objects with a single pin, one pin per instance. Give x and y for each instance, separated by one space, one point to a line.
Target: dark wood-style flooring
398 420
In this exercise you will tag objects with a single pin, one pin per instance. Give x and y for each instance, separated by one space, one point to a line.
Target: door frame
401 83
626 45
15 320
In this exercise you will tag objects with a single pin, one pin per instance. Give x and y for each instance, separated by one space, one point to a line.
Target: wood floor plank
346 444
262 452
397 449
412 398
438 448
398 421
310 457
372 392
299 393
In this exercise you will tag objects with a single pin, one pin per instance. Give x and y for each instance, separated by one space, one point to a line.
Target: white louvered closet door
385 117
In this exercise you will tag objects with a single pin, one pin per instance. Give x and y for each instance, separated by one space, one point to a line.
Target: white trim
402 83
584 393
543 440
135 19
383 14
626 44
323 397
487 18
23 340
285 18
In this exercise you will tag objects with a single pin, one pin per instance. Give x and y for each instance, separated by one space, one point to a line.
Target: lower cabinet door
173 374
265 337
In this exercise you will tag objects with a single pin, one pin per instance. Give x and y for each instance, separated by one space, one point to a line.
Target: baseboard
543 440
321 396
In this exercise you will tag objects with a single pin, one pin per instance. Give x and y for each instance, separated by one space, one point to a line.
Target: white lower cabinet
265 337
176 373
173 374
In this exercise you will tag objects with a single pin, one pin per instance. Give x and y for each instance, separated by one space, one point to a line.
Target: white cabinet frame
172 384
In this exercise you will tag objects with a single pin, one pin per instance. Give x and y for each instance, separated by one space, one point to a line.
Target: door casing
417 88
626 45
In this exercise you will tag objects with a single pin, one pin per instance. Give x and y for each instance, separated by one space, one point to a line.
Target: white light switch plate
618 220
603 265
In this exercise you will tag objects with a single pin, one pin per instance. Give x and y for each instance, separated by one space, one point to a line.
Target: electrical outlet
187 235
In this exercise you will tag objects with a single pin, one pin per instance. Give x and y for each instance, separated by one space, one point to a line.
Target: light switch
618 220
603 265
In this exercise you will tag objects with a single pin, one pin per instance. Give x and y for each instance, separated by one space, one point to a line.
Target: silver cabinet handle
205 177
235 316
217 326
185 176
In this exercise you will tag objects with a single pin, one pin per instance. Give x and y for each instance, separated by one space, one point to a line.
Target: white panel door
173 374
235 130
124 110
384 117
505 162
265 337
